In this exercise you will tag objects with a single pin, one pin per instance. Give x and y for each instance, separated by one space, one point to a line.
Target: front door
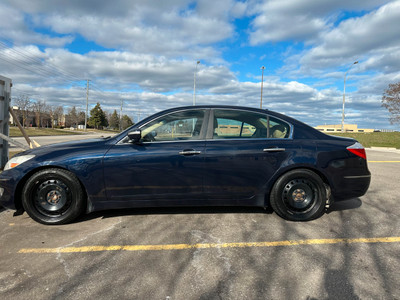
167 164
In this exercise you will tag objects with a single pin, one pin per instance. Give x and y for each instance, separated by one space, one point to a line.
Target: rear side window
278 129
236 124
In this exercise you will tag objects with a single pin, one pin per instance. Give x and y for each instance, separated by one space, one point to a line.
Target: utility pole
120 116
87 102
194 83
262 82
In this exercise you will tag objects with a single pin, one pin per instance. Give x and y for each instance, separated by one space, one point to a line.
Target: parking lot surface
352 252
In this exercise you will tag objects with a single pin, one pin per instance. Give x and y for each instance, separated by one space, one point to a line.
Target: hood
67 146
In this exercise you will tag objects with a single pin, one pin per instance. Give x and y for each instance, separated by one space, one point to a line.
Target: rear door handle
189 152
274 149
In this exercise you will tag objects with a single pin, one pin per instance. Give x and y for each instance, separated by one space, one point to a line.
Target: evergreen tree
97 118
126 122
114 120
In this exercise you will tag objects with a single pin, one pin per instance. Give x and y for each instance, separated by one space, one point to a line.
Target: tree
97 117
126 122
58 114
114 120
39 108
71 119
81 118
55 114
24 105
391 101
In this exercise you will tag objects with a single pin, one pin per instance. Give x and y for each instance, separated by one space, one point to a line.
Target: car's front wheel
299 195
53 196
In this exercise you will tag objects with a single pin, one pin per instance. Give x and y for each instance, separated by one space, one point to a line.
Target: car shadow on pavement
336 206
171 211
345 205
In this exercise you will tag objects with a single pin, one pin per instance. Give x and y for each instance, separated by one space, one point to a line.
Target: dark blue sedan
190 156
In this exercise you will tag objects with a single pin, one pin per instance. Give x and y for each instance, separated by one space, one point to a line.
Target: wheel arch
21 183
293 168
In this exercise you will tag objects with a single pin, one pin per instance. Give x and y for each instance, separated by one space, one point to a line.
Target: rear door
243 152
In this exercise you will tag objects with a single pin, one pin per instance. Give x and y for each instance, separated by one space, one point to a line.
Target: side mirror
135 135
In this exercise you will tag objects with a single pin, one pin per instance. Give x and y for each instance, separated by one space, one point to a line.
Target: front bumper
8 186
6 197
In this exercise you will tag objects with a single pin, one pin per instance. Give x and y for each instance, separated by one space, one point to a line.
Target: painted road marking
208 246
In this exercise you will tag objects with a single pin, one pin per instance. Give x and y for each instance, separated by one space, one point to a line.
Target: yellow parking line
209 245
384 161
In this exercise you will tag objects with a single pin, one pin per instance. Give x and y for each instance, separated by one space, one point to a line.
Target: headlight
15 161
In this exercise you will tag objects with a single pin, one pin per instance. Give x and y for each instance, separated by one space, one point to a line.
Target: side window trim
210 125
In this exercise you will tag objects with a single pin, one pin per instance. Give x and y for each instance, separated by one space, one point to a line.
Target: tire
299 195
53 196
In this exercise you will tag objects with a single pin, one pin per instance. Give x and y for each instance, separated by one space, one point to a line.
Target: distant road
47 140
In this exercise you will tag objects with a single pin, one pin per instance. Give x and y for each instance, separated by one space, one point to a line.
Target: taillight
358 150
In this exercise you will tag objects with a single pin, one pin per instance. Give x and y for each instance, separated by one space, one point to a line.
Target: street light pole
344 92
87 102
262 82
194 84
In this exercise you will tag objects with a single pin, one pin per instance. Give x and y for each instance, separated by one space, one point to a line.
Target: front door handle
276 149
189 152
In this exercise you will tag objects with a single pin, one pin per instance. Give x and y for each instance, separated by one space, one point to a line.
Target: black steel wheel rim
52 197
299 195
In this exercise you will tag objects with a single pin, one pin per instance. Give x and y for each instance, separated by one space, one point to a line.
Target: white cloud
114 70
299 20
13 28
180 28
357 37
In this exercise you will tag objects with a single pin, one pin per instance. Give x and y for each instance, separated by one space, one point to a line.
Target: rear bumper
351 187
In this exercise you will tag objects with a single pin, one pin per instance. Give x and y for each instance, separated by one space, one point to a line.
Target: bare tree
24 106
81 118
72 119
391 101
39 108
58 114
55 113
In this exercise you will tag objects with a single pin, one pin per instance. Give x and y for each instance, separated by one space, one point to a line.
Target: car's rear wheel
299 195
53 196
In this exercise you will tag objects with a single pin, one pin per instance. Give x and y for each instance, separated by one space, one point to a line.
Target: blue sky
144 53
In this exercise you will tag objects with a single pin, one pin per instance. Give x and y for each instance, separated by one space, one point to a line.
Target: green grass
104 131
33 131
375 139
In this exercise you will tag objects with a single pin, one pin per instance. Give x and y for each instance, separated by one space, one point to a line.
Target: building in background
338 128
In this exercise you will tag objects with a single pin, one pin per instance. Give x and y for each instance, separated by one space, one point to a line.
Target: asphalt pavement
352 252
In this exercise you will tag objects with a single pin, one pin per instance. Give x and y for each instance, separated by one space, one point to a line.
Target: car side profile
190 156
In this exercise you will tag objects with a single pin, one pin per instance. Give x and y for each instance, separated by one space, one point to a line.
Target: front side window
242 124
184 125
